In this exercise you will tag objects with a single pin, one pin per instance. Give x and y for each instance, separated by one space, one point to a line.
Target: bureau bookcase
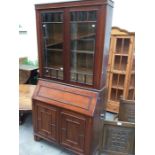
73 46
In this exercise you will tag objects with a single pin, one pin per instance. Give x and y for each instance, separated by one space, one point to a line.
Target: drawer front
73 129
46 121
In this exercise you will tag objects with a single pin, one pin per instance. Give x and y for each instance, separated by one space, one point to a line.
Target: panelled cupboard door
83 25
47 121
73 130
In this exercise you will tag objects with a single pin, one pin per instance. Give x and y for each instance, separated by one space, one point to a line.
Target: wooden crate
121 71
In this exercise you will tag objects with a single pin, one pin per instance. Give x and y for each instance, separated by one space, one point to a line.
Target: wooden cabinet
121 70
73 45
68 116
73 41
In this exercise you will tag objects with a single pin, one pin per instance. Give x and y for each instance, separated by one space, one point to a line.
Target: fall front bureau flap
59 95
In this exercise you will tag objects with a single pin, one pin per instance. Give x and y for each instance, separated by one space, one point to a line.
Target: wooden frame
104 9
118 138
120 70
126 111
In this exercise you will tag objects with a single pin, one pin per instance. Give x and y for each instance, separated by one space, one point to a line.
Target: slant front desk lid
71 98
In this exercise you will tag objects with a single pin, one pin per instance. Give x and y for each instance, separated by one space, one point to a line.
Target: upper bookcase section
73 41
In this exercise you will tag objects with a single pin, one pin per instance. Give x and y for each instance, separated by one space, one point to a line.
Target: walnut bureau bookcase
121 68
73 46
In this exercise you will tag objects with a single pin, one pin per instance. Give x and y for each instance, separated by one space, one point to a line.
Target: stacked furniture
73 47
118 136
121 68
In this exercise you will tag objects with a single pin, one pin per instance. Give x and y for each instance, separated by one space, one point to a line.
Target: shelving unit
73 46
121 68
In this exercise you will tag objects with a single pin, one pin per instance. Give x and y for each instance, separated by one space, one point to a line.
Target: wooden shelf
54 49
117 87
55 67
79 22
52 22
121 54
131 87
82 71
80 36
83 51
118 71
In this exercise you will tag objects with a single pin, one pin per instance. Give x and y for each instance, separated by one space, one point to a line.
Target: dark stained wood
68 116
66 53
73 4
99 46
104 16
118 138
40 43
107 32
73 130
126 110
75 99
68 113
49 127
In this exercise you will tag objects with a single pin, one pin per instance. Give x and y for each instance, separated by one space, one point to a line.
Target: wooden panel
46 121
73 4
78 100
119 31
25 95
112 106
118 138
65 97
127 111
73 128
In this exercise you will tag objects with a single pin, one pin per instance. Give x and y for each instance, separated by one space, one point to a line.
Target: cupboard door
47 122
73 131
52 30
83 35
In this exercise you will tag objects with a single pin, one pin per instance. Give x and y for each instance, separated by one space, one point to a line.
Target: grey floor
27 145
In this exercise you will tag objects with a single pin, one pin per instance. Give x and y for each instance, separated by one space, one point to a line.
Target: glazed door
73 131
52 37
47 122
82 46
69 45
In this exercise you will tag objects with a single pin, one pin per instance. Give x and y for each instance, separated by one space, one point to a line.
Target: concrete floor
28 146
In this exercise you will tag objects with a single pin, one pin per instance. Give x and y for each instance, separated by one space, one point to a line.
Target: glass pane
52 26
83 32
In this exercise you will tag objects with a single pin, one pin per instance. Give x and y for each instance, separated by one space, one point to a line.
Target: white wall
123 17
